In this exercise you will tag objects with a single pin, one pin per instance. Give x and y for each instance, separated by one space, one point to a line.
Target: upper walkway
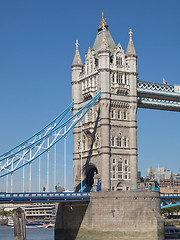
158 96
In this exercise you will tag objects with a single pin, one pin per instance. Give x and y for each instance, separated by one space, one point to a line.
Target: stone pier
111 215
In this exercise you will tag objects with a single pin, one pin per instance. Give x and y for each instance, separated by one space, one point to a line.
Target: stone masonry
112 215
109 144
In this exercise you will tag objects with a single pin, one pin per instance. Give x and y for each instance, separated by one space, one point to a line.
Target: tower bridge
109 131
106 95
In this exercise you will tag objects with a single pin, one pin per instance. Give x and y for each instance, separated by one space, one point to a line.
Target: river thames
7 233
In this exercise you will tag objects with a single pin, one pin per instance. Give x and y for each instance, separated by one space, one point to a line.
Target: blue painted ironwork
154 189
169 200
35 146
159 103
158 89
158 96
43 197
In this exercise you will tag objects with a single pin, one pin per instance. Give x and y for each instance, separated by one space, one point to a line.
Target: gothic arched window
112 141
119 78
118 142
125 142
113 77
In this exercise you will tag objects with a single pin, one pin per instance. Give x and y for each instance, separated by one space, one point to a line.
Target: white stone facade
109 143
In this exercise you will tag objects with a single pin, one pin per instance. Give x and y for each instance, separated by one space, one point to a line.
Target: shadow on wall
69 217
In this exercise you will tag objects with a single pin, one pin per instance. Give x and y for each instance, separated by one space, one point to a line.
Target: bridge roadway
35 197
167 200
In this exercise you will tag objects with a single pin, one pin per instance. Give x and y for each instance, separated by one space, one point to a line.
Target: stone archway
92 178
119 186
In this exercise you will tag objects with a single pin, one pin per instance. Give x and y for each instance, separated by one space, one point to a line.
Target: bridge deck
43 197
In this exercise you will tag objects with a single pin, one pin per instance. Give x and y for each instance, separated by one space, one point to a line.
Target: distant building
44 212
169 190
165 178
139 175
146 183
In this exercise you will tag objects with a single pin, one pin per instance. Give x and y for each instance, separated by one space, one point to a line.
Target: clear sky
37 46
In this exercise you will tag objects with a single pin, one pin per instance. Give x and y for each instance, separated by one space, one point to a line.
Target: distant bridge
170 200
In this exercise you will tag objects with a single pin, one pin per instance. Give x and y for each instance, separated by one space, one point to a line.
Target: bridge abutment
111 216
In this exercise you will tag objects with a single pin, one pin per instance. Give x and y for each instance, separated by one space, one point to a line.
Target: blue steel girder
158 96
28 151
170 200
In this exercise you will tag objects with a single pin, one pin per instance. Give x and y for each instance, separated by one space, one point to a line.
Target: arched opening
119 186
90 176
91 182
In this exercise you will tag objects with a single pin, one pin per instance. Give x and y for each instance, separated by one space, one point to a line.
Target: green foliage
19 210
5 214
171 210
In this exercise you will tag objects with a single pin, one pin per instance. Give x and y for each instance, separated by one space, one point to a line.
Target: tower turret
77 68
131 63
131 56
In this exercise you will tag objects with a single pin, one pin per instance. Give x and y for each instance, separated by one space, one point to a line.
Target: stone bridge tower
109 130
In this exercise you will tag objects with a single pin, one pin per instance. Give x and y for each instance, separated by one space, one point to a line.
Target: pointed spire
130 49
104 44
77 59
103 22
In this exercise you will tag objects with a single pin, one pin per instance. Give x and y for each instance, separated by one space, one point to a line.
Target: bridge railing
156 189
151 87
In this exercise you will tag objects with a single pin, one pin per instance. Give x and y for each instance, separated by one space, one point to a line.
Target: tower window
114 160
112 113
118 114
119 167
119 78
118 142
113 77
113 141
125 115
120 176
118 61
125 142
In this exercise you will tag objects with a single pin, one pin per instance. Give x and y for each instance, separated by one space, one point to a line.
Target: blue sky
37 45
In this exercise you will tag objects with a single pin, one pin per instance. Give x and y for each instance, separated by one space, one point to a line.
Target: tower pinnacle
130 49
130 33
77 59
77 44
103 22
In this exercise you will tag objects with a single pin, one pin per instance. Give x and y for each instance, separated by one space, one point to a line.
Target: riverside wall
111 215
